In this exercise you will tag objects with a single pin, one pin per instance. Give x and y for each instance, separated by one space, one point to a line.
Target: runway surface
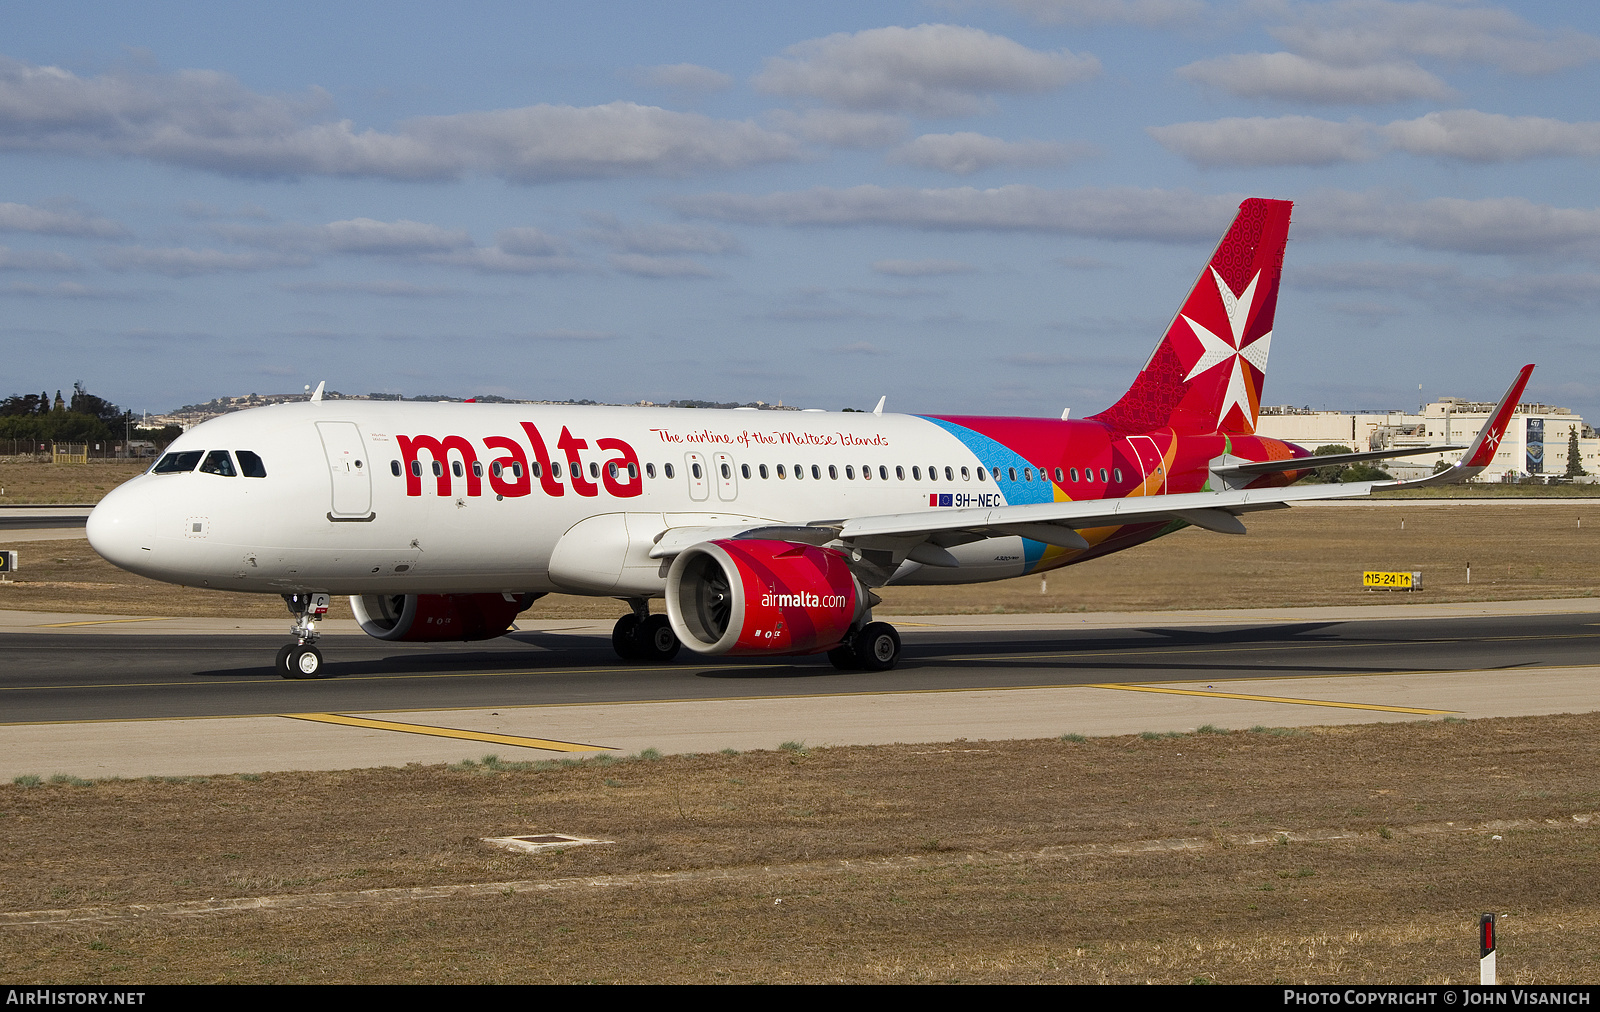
559 688
66 676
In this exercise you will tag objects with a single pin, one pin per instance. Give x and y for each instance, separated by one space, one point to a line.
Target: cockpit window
250 464
218 462
177 463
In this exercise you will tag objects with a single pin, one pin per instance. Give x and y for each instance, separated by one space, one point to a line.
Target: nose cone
122 528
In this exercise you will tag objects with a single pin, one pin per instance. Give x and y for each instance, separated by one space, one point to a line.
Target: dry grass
1309 555
970 861
25 480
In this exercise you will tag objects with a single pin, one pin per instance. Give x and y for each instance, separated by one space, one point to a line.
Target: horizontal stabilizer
1326 460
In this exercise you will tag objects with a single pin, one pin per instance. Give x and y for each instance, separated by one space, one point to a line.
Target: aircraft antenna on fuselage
881 401
316 395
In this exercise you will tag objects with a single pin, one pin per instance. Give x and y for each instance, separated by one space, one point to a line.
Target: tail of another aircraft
1206 374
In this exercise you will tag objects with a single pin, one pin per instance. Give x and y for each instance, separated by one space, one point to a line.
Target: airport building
1536 441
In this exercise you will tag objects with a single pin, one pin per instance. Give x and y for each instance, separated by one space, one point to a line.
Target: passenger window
494 469
178 463
394 465
727 472
219 463
555 469
799 471
949 475
1102 474
477 469
850 472
1027 474
666 469
1011 473
1073 472
594 469
438 469
696 469
762 470
516 471
1058 475
416 468
649 470
1116 474
916 473
633 471
744 470
816 472
250 464
866 473
455 468
611 469
965 474
833 472
980 472
781 473
883 472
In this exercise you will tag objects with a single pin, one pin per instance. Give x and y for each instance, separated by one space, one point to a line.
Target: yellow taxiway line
1271 699
447 732
101 621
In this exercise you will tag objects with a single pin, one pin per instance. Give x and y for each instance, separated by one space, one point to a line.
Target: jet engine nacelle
762 597
432 617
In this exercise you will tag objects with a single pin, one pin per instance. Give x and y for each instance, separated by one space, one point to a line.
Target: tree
1574 455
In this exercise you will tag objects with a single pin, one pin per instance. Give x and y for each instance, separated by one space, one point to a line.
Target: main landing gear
644 638
873 647
301 659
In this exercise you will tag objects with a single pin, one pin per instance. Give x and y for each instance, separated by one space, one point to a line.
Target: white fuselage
373 497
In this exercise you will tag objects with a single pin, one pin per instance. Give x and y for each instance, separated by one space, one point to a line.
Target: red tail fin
1207 372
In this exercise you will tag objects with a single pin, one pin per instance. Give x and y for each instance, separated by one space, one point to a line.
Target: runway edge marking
547 744
1272 699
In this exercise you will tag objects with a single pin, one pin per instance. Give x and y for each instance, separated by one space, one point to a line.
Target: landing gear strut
641 636
873 647
301 659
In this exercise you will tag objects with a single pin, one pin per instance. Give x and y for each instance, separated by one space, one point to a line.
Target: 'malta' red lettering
509 473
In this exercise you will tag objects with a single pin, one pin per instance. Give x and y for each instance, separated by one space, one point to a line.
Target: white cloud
543 143
934 70
26 218
1367 275
1100 212
1292 77
208 120
966 153
840 128
922 268
404 289
685 78
1503 226
657 238
36 260
569 336
61 290
530 242
495 260
1149 13
1353 32
1491 137
356 235
1285 140
182 262
364 235
643 266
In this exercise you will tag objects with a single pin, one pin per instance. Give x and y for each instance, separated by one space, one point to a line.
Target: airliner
767 533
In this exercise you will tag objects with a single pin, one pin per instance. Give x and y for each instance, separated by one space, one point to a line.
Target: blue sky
977 207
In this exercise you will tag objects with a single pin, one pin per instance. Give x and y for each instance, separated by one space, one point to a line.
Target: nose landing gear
301 659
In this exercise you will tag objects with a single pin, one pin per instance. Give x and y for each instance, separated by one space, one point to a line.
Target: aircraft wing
923 536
